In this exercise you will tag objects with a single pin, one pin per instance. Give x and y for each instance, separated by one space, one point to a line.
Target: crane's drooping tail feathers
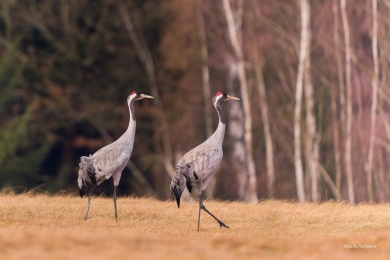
179 181
87 176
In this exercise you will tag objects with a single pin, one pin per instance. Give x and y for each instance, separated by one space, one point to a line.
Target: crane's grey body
197 166
204 159
110 160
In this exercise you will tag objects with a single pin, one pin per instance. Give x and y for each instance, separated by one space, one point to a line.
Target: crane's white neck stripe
131 98
130 103
218 107
217 98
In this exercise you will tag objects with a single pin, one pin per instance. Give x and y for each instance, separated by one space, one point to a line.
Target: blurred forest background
313 122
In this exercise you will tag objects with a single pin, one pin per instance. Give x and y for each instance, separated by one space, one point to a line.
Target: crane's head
221 96
136 95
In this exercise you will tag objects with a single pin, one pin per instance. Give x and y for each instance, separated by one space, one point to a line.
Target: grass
52 227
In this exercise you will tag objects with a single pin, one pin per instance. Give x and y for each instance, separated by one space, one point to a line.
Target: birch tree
251 193
236 131
333 91
236 115
375 80
205 71
304 43
312 137
267 132
348 123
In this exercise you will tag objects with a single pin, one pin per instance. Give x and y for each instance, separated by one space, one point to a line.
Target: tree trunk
251 194
312 141
375 80
205 72
236 122
267 132
348 126
383 194
304 42
333 91
236 131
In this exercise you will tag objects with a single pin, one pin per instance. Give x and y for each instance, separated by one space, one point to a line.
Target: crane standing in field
198 165
109 160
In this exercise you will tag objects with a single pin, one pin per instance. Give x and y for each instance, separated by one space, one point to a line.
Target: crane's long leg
221 224
89 202
114 197
201 206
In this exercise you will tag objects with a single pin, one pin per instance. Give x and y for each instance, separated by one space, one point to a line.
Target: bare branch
330 183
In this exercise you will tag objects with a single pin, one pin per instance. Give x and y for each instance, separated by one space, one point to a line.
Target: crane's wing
110 159
204 161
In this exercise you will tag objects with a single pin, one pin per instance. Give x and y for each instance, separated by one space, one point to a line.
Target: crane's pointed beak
145 96
231 98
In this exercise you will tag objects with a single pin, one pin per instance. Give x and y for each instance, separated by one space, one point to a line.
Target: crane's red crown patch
218 93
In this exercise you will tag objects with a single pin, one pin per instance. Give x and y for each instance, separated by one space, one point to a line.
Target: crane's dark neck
219 133
221 115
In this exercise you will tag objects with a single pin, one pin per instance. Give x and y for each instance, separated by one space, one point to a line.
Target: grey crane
109 160
198 165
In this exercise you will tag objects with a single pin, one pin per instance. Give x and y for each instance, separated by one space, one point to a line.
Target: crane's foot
221 224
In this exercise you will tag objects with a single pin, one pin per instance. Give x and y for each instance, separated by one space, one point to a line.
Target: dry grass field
52 227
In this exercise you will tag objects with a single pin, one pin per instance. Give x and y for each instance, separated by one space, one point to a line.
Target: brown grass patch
52 227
